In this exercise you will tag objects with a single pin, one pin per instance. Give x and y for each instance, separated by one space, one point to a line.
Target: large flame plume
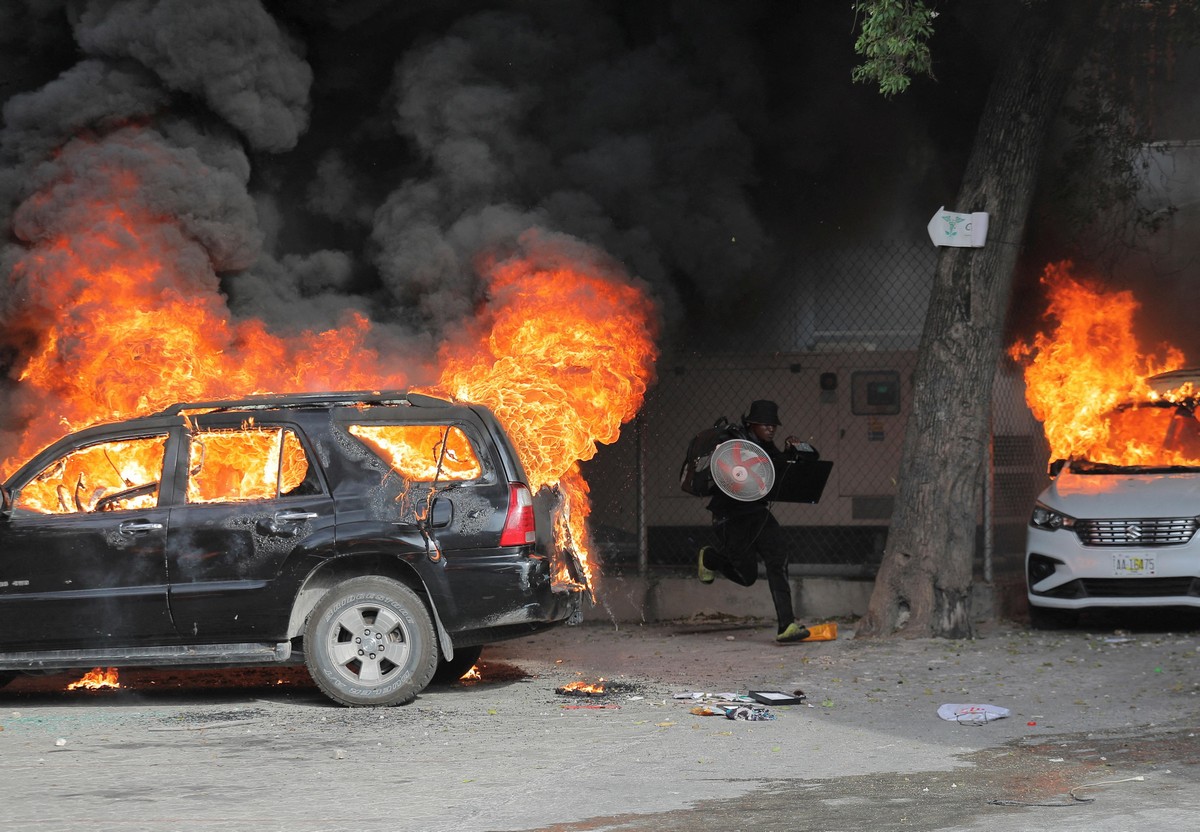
118 325
1085 366
565 360
122 316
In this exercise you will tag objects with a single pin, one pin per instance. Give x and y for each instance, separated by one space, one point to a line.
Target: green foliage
894 40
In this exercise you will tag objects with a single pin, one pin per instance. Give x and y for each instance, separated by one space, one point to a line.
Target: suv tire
451 670
370 641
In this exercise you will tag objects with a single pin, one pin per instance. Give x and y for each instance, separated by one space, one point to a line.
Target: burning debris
97 679
580 688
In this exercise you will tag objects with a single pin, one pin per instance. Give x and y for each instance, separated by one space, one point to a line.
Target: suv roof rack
369 397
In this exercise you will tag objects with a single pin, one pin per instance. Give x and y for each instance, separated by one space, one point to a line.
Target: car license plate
1125 566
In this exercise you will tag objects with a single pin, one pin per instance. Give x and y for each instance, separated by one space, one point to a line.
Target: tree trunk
924 583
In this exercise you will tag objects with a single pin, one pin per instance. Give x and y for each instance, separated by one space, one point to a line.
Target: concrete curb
673 598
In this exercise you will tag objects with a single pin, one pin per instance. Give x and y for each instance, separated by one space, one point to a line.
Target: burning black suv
380 538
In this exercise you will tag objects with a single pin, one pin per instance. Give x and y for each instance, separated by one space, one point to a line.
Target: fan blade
742 470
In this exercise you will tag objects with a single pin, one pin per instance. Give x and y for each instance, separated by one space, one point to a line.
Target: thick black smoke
364 154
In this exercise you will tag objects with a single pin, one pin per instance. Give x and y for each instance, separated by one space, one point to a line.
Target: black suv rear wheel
370 641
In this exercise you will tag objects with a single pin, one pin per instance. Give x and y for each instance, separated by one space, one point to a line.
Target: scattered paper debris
722 697
972 714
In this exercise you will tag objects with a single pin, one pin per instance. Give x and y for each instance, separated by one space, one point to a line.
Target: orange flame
567 359
244 463
422 452
123 317
1088 364
472 675
582 688
88 474
97 679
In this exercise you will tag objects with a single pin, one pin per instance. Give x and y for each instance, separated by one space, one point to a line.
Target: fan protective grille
742 470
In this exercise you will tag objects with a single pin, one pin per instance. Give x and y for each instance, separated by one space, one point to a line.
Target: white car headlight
1047 518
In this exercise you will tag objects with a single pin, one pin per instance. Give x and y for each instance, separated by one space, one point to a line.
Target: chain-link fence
839 359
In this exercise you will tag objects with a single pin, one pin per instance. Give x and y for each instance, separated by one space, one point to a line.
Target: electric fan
742 470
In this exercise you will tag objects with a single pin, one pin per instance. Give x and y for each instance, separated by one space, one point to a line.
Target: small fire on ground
582 688
471 675
97 679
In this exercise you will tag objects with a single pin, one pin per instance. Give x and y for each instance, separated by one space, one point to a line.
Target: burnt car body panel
224 558
85 578
167 573
85 584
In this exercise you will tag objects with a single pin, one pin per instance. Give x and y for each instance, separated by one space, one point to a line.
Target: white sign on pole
949 228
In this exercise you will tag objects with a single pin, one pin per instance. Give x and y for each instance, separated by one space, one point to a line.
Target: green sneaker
707 576
794 632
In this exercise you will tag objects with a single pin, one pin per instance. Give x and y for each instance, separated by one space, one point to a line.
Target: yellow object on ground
822 632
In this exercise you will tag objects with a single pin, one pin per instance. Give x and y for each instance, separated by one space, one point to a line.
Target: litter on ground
972 714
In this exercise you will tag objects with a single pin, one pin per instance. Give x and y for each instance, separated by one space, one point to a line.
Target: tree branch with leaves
894 41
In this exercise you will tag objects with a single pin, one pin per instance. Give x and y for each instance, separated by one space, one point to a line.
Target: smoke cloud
229 53
308 160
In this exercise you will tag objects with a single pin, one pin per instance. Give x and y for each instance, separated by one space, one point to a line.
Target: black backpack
695 476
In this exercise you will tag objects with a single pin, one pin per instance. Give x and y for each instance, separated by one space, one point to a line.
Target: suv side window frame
482 449
227 421
165 480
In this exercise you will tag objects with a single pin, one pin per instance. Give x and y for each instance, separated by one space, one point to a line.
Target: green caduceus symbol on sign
951 224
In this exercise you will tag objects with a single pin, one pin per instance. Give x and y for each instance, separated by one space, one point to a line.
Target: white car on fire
1122 535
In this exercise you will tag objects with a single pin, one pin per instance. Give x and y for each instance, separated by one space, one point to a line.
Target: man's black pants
743 539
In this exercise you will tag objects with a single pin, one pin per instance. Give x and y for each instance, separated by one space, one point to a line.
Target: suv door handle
284 523
138 527
295 516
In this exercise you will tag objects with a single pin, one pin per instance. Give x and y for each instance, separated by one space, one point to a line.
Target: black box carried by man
800 480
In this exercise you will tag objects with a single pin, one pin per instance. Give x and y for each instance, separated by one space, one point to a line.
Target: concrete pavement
1110 711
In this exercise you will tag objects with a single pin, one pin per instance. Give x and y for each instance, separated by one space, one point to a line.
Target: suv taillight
519 526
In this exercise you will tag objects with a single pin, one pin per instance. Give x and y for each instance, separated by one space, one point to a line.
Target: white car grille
1158 531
